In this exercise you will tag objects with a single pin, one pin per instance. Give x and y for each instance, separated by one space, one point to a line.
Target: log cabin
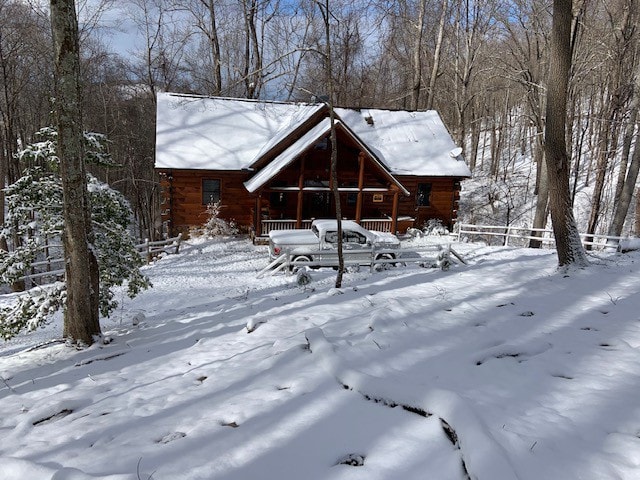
268 164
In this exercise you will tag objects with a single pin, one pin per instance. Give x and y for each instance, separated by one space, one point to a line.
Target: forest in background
482 64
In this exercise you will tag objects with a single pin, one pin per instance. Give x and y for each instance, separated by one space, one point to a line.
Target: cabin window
423 195
210 191
277 199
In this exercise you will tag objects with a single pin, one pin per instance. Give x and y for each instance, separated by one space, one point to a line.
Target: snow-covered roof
409 143
212 133
289 155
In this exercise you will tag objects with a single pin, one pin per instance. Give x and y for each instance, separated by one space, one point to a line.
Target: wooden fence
151 249
51 268
521 236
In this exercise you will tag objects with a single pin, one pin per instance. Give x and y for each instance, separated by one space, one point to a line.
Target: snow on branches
34 219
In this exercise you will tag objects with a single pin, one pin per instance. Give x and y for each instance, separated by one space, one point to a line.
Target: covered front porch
287 208
295 186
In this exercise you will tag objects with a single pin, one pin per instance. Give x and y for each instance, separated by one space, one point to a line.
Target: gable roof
289 155
310 138
213 133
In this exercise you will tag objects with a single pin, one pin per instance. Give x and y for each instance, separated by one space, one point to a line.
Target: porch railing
377 224
266 226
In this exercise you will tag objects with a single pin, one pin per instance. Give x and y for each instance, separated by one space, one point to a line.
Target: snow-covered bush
303 277
434 226
216 226
34 219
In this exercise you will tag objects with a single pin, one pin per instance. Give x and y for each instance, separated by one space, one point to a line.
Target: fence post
148 249
178 243
373 259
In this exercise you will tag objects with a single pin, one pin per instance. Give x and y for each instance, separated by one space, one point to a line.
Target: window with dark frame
210 191
423 195
277 199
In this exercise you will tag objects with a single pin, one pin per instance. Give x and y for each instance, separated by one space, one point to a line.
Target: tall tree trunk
636 224
326 14
607 147
617 96
627 178
622 205
626 192
542 192
214 42
417 57
568 245
81 319
436 57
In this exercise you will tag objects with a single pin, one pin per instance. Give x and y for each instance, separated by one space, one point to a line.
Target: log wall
182 200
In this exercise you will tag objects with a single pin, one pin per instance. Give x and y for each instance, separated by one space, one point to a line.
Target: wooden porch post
360 185
394 214
300 194
258 215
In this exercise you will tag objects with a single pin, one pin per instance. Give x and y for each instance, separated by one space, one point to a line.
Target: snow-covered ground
501 369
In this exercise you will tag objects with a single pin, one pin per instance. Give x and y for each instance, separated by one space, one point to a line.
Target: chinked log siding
182 198
443 201
183 208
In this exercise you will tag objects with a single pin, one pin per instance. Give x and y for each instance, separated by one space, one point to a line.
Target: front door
317 205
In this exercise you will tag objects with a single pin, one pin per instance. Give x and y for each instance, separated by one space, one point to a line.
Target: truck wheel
299 262
386 256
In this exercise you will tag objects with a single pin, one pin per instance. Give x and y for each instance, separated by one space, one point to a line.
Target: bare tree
205 16
623 199
436 55
326 17
416 84
614 108
81 318
526 24
160 61
568 244
24 87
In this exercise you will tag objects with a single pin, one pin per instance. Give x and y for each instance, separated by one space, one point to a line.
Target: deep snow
501 369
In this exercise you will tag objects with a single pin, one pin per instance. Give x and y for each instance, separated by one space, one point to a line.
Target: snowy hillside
502 369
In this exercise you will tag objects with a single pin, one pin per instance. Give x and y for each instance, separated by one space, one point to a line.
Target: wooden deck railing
266 226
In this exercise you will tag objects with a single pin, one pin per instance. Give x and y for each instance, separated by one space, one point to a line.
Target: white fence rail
435 256
520 236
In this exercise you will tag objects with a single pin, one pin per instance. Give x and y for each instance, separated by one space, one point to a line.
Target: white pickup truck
319 245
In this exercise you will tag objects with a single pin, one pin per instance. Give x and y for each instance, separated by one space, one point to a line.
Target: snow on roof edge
287 156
